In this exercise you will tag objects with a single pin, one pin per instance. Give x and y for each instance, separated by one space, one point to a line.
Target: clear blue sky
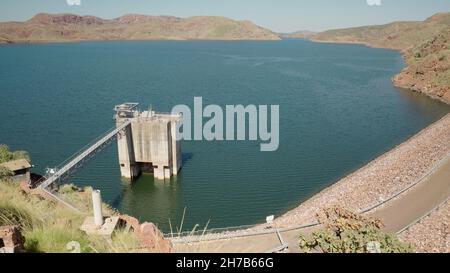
277 15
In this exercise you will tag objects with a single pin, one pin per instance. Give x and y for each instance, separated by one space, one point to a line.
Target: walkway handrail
92 142
418 220
235 234
72 161
422 178
61 200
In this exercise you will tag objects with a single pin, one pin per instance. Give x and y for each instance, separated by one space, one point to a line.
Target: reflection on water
165 197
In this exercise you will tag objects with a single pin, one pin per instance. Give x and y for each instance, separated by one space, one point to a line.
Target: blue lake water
338 110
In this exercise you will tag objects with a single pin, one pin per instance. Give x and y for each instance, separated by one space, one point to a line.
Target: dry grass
49 227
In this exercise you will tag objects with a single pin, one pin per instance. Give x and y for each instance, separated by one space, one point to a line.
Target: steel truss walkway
75 161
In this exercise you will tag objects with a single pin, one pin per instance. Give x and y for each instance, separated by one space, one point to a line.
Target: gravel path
432 234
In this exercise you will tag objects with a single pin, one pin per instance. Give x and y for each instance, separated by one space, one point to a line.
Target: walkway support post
97 206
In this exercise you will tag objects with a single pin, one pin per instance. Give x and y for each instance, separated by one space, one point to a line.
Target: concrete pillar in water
97 207
176 148
158 172
128 166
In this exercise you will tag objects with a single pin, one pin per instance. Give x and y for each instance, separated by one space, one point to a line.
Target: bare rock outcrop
150 237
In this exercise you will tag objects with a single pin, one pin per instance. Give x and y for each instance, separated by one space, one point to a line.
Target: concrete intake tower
149 143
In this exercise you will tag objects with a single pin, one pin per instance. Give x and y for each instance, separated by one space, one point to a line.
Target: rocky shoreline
425 47
412 77
428 68
381 178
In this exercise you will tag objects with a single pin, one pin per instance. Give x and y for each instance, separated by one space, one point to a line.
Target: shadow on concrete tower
149 143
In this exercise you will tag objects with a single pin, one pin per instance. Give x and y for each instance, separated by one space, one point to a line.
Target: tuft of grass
11 216
48 239
81 197
67 189
121 242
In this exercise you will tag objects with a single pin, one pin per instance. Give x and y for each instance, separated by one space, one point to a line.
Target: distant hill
425 45
397 35
299 34
69 27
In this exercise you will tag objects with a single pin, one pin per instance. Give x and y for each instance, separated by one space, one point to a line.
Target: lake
338 111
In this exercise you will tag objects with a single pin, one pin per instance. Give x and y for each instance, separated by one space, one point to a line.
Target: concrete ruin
11 239
149 143
20 169
151 239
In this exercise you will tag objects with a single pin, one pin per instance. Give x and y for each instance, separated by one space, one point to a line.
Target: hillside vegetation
425 46
428 68
69 27
397 35
50 227
7 155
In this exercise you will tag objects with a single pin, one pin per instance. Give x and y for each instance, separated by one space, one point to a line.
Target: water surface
338 110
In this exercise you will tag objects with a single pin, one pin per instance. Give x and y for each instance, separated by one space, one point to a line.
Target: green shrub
20 155
5 173
6 155
347 232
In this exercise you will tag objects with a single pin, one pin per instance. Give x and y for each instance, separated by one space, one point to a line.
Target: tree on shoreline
6 155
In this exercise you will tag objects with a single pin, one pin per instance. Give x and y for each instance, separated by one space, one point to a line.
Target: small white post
97 206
